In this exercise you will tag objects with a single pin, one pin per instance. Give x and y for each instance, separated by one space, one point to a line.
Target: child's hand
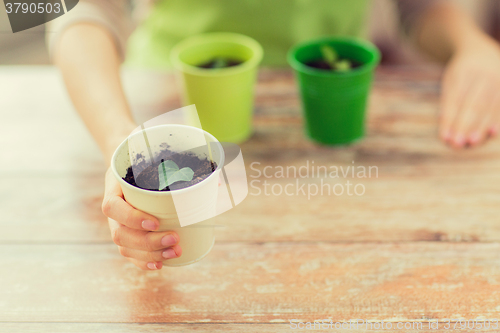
470 101
131 230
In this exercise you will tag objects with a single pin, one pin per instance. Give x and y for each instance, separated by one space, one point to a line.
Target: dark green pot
334 103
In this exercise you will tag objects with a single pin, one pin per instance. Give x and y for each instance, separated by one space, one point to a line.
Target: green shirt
275 24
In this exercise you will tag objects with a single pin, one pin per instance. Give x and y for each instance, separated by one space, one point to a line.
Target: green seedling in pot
331 57
220 63
169 173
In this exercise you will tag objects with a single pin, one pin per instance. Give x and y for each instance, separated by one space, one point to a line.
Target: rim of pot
162 193
211 37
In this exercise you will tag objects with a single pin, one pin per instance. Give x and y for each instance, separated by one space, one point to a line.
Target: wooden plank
253 283
52 209
142 328
177 328
40 132
431 206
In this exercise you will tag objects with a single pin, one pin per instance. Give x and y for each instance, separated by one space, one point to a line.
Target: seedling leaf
343 65
220 63
329 55
169 173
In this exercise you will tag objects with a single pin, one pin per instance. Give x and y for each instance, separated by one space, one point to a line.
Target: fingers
116 208
146 266
451 101
494 127
155 256
131 230
484 127
470 105
145 249
141 240
468 117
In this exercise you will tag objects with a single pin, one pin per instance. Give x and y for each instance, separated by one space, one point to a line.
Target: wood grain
421 243
449 208
424 190
177 328
141 328
253 283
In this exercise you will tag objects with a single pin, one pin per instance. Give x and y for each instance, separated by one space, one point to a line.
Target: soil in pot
220 62
148 173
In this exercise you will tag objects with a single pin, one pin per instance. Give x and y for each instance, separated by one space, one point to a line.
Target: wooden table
423 242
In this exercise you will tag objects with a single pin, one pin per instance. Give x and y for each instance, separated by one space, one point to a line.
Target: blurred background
28 47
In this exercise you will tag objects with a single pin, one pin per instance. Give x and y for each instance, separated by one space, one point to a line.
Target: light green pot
223 97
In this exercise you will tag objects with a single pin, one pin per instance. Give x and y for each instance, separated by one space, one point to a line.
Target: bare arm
445 29
88 58
90 64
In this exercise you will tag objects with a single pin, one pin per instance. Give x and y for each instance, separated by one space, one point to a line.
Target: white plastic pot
186 211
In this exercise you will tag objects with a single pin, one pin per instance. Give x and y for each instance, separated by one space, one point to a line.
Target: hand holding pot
131 230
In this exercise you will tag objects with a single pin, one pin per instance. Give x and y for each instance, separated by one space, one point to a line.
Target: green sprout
331 57
169 173
220 63
343 65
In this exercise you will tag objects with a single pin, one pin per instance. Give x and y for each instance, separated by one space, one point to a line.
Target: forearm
445 29
90 65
